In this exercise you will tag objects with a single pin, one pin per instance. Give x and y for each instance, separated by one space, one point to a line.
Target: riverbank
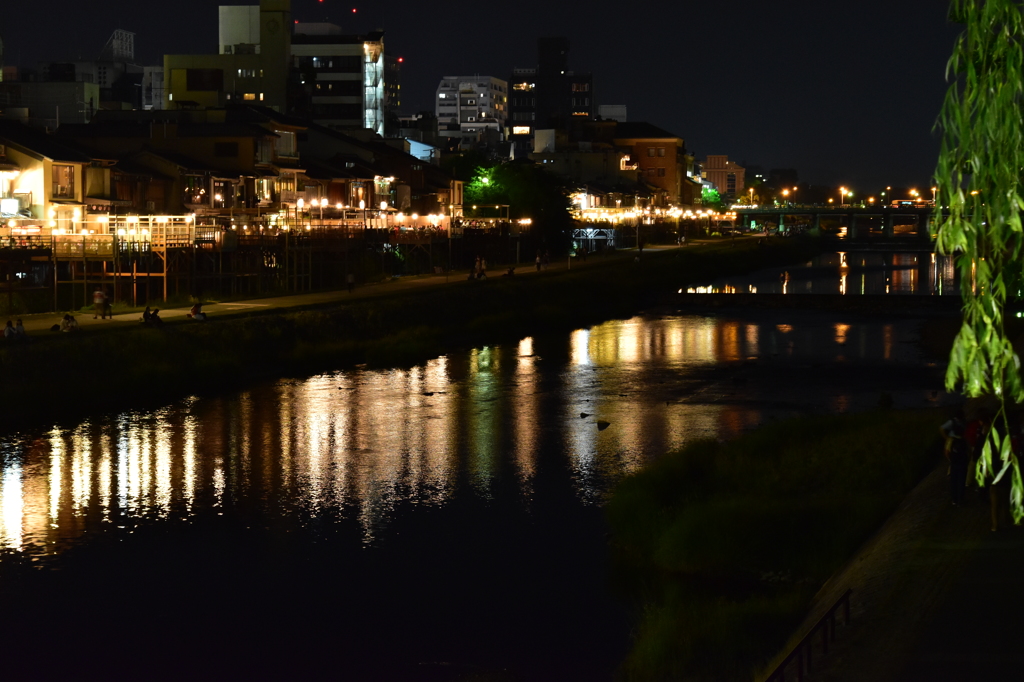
723 545
125 365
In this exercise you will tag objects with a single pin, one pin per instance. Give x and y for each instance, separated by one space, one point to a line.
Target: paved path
936 596
39 323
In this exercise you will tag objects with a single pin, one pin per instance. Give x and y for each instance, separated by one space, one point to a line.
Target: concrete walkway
936 596
41 323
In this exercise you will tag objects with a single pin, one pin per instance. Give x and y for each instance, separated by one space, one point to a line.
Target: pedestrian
957 455
547 258
538 261
483 268
351 280
99 303
107 307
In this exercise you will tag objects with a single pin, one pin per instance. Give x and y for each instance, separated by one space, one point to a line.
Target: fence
803 652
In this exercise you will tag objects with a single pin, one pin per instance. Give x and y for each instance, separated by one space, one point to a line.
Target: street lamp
934 190
842 195
785 196
298 209
751 196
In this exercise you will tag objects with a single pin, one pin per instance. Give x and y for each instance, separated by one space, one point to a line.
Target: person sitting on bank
196 313
147 315
19 329
154 318
9 331
69 323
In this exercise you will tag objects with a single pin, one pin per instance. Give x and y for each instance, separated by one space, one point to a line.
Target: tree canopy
979 180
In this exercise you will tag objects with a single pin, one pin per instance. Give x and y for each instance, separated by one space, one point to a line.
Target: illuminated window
520 130
249 96
63 181
525 87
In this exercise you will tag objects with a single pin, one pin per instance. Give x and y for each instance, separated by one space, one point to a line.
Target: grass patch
723 545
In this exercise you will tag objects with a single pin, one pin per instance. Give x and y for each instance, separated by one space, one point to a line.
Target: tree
710 198
530 192
979 176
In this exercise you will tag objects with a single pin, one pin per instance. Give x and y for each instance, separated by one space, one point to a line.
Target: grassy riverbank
95 370
723 545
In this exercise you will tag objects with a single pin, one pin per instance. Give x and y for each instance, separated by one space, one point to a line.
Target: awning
101 201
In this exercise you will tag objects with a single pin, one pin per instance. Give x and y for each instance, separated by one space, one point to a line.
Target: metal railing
802 654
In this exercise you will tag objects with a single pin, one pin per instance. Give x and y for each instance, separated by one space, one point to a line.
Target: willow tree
979 175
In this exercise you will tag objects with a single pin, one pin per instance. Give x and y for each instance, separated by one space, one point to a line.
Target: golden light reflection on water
362 443
526 416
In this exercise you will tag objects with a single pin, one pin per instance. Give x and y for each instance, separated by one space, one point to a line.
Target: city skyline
845 97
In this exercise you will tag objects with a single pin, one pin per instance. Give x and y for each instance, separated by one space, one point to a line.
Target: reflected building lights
526 415
361 444
12 507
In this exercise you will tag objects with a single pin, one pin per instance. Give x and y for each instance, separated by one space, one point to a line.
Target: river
411 524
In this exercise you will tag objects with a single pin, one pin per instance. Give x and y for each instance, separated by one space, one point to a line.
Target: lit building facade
469 105
339 80
342 77
727 176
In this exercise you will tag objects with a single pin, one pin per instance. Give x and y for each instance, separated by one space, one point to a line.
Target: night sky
845 92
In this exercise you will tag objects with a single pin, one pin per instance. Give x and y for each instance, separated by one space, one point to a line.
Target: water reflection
367 445
849 273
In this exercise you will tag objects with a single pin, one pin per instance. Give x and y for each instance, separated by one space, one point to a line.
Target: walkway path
936 596
38 323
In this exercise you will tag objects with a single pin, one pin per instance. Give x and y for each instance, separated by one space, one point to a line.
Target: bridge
853 219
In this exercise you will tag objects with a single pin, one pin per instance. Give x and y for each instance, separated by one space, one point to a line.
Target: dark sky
845 92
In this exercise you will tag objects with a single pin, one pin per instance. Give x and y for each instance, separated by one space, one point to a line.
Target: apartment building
467 106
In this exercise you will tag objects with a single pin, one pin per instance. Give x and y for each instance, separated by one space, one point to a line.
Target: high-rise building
548 95
309 69
469 106
342 77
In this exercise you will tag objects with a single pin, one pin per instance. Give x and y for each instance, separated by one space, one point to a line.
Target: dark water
428 523
850 273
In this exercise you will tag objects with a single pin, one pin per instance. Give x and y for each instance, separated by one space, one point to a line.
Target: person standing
956 452
99 303
538 261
